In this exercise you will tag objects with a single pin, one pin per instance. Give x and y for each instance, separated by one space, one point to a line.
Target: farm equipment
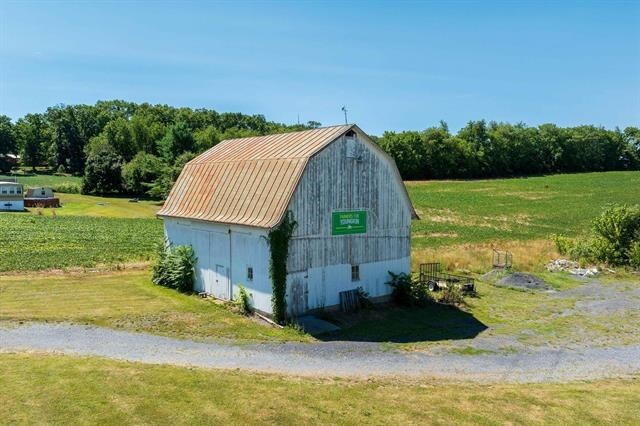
435 279
502 259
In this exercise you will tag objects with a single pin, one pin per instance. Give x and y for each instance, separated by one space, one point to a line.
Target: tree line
140 149
485 150
124 147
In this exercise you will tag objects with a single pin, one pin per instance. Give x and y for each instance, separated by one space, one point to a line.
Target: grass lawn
32 242
130 301
513 317
89 205
53 181
55 389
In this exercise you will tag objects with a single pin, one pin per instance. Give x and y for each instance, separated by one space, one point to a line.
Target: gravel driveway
328 359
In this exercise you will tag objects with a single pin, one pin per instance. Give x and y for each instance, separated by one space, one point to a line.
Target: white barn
352 210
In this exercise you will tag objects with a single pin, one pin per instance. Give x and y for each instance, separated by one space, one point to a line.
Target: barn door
220 259
203 269
298 297
221 283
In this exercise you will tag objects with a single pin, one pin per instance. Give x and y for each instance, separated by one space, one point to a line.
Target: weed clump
407 291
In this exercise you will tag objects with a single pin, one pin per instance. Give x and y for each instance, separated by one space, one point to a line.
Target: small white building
352 210
11 196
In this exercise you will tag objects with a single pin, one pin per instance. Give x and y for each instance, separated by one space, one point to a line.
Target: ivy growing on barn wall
278 240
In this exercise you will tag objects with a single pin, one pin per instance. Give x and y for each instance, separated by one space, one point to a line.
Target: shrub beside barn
352 211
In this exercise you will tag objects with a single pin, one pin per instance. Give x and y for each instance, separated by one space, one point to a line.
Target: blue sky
396 65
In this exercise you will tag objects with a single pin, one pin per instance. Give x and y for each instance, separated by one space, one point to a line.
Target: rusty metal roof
247 181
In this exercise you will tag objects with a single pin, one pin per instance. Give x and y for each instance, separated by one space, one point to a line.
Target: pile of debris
564 265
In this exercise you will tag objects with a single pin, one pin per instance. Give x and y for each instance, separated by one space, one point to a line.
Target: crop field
32 242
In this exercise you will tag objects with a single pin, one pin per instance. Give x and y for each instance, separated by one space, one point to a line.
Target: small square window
12 191
249 273
355 272
19 191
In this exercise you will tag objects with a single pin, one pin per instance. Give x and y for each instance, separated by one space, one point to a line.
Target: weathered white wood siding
320 263
225 252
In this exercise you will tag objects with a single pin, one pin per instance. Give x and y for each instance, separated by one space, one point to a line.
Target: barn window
249 273
11 191
355 272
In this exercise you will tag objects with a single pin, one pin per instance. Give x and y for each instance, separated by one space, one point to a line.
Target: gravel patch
326 359
523 280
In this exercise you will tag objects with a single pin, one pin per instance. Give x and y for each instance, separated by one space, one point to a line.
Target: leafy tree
7 142
408 150
176 141
206 138
33 139
103 172
139 174
118 133
164 183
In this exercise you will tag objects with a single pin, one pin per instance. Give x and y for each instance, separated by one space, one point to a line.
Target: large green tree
34 139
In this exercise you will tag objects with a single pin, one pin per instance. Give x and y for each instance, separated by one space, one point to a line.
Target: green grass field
48 389
460 212
127 300
54 181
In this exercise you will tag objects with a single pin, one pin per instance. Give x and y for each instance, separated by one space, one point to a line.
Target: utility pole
344 109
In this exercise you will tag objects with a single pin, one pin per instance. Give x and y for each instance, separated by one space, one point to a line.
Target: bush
618 228
364 300
67 188
407 291
634 255
564 245
175 267
615 236
243 301
451 295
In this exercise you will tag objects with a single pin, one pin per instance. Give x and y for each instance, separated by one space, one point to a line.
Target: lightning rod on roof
344 109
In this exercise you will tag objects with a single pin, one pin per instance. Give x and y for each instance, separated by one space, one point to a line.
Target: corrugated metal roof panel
246 181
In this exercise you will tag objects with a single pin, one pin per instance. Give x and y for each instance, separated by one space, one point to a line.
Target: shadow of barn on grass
404 325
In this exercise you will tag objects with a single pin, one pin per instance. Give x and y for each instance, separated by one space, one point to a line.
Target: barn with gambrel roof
352 210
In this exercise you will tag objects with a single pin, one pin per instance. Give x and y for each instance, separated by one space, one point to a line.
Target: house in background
352 210
11 196
41 196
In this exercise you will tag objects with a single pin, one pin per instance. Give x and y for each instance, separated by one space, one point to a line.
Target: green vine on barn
278 239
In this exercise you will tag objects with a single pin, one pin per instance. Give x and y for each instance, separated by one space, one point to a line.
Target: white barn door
219 258
204 273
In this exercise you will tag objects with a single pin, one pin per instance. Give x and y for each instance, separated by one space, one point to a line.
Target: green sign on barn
343 223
